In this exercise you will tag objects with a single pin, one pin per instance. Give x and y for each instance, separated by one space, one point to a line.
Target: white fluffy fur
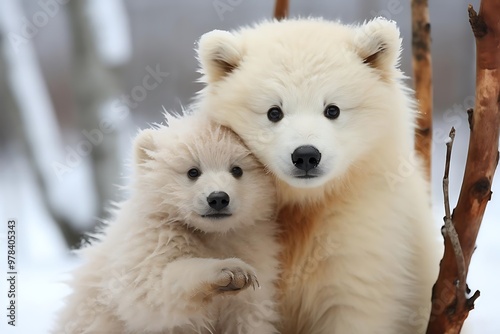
360 247
159 267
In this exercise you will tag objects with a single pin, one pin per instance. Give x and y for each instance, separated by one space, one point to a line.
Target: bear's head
313 100
202 175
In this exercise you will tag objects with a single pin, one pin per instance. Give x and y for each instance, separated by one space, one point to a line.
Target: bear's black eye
275 114
332 111
237 172
193 173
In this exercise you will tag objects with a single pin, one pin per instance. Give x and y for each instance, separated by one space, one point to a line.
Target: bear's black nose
306 157
218 200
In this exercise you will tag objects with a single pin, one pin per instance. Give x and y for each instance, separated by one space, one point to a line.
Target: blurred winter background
79 78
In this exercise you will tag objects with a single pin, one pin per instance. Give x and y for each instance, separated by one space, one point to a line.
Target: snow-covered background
131 40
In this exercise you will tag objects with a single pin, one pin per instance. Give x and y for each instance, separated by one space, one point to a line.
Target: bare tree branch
422 73
281 9
449 227
450 304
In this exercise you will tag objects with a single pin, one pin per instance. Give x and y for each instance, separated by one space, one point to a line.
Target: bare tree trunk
281 9
95 85
422 73
71 235
22 115
450 303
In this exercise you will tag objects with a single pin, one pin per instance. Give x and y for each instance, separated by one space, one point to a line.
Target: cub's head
312 99
202 175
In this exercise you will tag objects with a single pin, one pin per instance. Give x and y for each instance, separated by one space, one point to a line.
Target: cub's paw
235 275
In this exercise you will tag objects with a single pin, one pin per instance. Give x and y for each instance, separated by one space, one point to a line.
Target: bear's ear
144 146
219 53
378 43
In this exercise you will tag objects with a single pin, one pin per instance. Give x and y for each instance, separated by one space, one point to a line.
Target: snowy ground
43 261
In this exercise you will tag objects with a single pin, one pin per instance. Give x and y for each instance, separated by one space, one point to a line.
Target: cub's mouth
216 215
307 176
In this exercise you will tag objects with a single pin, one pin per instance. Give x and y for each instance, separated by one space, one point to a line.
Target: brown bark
450 305
281 9
422 73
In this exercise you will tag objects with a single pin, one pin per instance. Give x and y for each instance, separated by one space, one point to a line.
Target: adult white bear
323 106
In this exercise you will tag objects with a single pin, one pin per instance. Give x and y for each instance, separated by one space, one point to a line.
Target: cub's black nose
306 157
218 200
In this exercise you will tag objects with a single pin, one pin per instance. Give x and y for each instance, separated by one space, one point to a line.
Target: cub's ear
144 147
219 53
378 43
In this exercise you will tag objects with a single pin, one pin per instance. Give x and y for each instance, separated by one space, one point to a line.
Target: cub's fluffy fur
360 247
166 264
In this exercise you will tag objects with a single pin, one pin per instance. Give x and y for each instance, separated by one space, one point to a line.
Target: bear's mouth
305 175
216 215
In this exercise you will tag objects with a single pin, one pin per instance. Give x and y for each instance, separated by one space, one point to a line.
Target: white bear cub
192 251
325 108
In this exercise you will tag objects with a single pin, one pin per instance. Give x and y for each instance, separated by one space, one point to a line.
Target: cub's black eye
193 173
237 172
275 114
332 111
